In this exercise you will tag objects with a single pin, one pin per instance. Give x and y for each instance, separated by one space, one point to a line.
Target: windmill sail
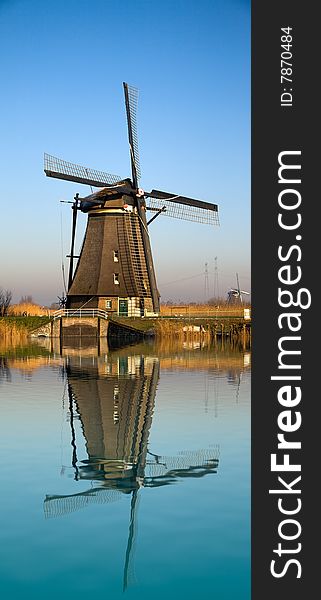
181 207
61 169
131 102
57 506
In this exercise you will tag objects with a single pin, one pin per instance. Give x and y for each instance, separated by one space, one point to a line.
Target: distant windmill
62 301
115 270
235 295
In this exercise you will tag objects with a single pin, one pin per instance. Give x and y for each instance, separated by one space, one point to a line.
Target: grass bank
17 328
163 327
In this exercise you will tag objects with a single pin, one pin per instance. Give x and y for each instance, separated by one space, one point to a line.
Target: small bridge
80 313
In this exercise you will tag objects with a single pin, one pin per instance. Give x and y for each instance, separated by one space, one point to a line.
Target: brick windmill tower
115 269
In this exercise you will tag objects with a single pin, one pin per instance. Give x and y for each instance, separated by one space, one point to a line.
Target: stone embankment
131 329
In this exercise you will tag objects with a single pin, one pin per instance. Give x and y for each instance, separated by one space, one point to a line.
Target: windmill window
116 278
116 255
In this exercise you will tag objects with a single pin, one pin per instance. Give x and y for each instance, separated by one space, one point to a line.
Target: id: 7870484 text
286 66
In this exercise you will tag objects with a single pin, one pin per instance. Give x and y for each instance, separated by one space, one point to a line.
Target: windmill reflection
114 401
114 397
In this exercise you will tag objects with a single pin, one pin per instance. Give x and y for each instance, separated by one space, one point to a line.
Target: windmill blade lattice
180 207
157 467
62 169
161 465
57 506
131 102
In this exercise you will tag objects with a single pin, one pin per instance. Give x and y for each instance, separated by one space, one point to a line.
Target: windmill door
123 307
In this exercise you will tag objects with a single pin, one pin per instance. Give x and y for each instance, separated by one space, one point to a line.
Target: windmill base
80 327
114 305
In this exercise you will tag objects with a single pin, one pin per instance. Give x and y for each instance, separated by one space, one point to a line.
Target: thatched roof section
105 192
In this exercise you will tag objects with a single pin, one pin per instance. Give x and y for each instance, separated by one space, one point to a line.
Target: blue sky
62 68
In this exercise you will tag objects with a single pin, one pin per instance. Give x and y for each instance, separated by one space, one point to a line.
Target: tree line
5 301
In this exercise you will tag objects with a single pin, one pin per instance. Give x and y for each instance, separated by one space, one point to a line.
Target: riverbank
205 328
186 327
15 328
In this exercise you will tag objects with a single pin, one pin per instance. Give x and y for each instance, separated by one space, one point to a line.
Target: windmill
115 270
235 295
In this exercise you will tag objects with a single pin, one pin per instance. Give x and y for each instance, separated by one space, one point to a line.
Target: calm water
125 473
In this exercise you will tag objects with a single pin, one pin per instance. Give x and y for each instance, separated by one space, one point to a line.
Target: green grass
142 325
166 325
21 324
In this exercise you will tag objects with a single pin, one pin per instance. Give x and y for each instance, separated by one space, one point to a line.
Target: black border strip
277 128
